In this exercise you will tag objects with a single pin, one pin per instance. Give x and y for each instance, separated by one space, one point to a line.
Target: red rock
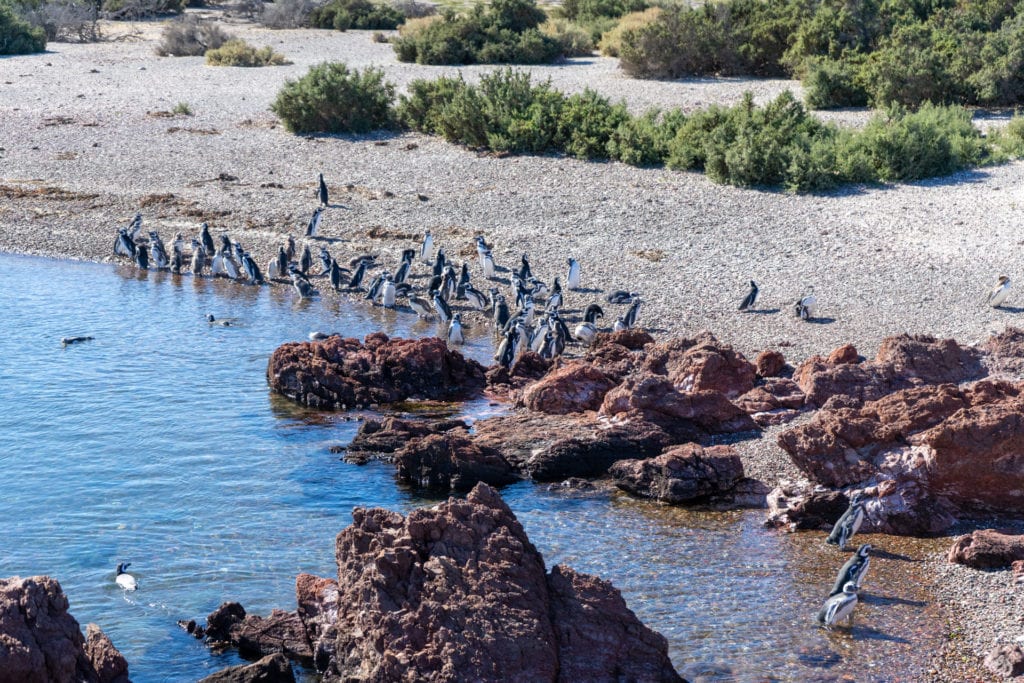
1004 352
451 461
633 339
799 507
317 600
339 373
41 642
844 355
273 668
702 364
777 401
769 363
1006 661
1017 572
572 388
256 636
931 360
682 474
379 439
987 549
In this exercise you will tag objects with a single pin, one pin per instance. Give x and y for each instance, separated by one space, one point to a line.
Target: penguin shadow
889 555
870 633
820 321
764 311
1010 309
873 599
588 290
329 240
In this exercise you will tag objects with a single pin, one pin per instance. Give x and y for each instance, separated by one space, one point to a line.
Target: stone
340 373
702 364
800 506
1017 573
987 549
1006 661
769 363
40 641
844 355
256 636
777 401
379 439
451 461
1004 352
682 474
317 600
273 668
573 387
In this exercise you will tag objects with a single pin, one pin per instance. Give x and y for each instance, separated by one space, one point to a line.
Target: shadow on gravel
871 599
1010 309
821 321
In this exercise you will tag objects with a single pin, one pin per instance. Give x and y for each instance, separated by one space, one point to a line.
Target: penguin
157 251
66 341
336 276
750 298
555 299
475 297
854 570
561 329
356 282
586 331
524 269
279 264
179 241
572 280
630 318
999 293
439 263
306 260
807 305
252 270
537 289
375 286
302 286
427 248
230 266
501 313
322 192
481 246
135 226
839 606
421 307
198 258
529 311
124 245
124 579
206 239
505 354
455 335
402 272
325 261
441 307
222 322
620 325
387 292
449 284
554 345
621 296
176 258
314 223
142 257
238 251
849 523
539 337
487 264
318 336
290 248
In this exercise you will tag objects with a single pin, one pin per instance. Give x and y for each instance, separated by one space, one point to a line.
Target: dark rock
256 636
109 664
273 668
378 439
339 373
574 387
451 461
682 474
987 549
800 508
1006 661
769 363
573 485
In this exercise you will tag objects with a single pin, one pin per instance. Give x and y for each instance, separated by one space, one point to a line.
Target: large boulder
41 642
451 461
317 600
379 439
255 636
702 364
339 373
271 669
987 549
1004 352
777 401
682 474
458 592
574 387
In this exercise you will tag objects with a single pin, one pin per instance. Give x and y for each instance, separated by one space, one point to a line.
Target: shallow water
159 443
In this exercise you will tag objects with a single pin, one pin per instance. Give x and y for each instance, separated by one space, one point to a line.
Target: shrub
644 140
611 40
240 53
17 36
503 32
415 26
64 20
574 40
138 9
578 10
413 9
342 15
190 37
1010 140
182 108
332 99
286 13
830 83
587 123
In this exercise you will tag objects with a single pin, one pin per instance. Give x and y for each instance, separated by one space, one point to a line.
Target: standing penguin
306 260
572 280
807 305
387 292
587 330
206 239
849 523
427 248
630 318
999 293
455 335
441 306
854 570
750 298
177 260
198 258
487 264
142 257
839 607
322 191
336 276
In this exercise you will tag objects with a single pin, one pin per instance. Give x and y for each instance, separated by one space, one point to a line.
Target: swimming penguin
306 260
572 280
135 226
142 257
586 331
124 245
455 330
621 296
177 259
854 570
314 223
222 322
422 307
839 606
206 239
441 307
849 523
807 305
124 579
427 248
198 258
487 264
357 278
322 191
999 293
750 298
67 341
634 310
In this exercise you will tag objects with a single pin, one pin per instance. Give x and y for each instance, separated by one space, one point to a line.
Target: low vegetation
501 32
191 37
342 15
237 52
18 36
331 98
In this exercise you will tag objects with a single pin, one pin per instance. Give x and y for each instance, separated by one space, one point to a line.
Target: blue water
159 443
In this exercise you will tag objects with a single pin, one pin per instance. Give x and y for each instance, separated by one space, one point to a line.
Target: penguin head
122 567
864 550
850 588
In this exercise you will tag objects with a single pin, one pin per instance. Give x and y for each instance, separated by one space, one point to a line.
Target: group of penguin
805 308
842 599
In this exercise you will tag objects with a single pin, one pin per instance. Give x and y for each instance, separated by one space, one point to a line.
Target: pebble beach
88 137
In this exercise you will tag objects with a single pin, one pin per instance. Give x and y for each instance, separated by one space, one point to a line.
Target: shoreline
915 258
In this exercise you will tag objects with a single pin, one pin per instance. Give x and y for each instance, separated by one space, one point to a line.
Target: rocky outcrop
776 401
987 549
255 636
451 461
1006 661
271 669
800 506
459 592
574 387
769 363
339 373
1004 352
902 362
702 364
379 439
41 642
682 474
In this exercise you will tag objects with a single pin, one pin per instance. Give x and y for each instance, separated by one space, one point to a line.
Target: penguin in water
124 579
142 257
177 260
198 258
751 298
302 286
999 293
849 523
839 606
854 570
422 307
387 292
313 227
441 307
807 305
455 335
221 322
206 239
572 280
322 192
427 248
586 331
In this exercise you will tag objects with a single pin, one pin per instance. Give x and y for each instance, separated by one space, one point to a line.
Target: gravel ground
85 143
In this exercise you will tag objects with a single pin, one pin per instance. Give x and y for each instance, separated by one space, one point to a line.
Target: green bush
240 53
611 40
581 10
330 98
17 36
587 123
644 140
342 15
832 83
503 32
